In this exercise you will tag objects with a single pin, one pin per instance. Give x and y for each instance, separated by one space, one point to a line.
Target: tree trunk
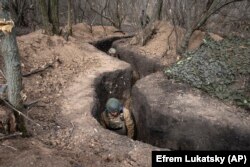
10 53
17 10
53 7
13 11
185 41
69 24
45 17
80 15
159 9
75 11
69 17
212 7
145 35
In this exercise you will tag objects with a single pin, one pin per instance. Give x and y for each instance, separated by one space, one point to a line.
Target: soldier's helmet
113 105
112 51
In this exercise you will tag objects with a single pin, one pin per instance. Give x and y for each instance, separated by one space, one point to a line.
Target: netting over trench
221 68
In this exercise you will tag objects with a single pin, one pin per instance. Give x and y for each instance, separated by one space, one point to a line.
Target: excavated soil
68 99
67 96
160 51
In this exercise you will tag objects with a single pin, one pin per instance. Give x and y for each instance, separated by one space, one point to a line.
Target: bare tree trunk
13 11
69 25
68 29
212 7
119 17
144 36
53 7
185 41
75 9
102 11
159 9
45 17
80 12
17 10
10 53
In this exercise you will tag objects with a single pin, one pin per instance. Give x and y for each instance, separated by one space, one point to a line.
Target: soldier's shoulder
125 109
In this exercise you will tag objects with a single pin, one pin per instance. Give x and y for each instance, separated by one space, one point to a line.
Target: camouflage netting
220 68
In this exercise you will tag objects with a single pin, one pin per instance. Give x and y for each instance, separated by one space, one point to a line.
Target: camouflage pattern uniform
122 124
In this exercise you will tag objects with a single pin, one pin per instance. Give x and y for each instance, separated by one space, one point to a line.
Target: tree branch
11 135
213 11
100 14
20 113
48 65
225 5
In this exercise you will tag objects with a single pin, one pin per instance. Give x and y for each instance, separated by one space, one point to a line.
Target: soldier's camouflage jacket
122 124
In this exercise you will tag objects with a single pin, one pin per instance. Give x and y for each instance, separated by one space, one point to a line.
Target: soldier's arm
129 122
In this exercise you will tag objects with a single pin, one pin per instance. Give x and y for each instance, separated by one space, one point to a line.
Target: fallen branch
13 148
20 113
11 135
48 65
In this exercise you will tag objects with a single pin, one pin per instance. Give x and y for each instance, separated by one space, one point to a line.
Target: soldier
112 52
144 19
117 118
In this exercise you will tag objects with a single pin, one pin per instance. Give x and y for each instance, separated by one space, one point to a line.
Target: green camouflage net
220 68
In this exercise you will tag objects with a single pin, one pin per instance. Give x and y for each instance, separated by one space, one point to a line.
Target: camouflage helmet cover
112 51
113 105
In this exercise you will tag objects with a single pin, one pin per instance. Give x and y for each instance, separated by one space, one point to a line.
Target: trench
113 84
177 131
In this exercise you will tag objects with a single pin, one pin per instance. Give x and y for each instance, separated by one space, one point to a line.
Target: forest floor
52 143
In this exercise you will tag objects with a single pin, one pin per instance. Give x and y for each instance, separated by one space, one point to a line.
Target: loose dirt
163 43
69 135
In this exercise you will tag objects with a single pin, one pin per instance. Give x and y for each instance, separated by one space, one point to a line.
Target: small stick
11 135
48 65
19 112
38 70
13 148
